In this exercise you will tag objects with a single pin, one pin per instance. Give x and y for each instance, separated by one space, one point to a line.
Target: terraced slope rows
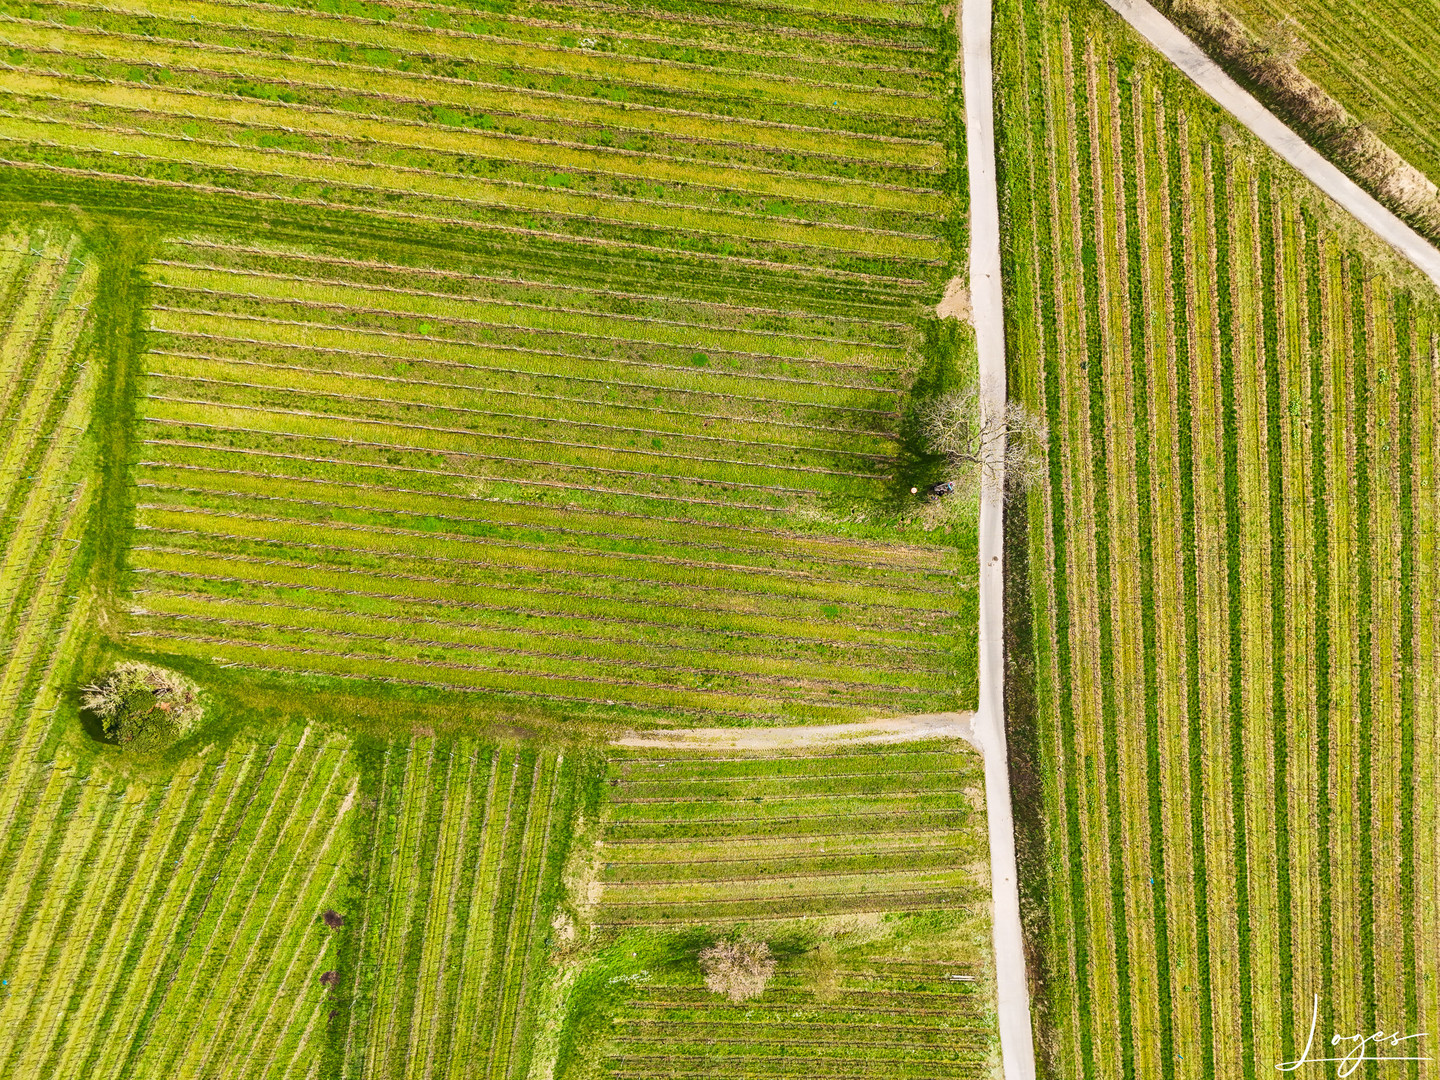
877 1017
693 838
1232 565
460 894
539 489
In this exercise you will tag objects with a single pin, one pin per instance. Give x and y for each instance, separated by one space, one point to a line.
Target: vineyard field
1232 571
467 843
601 323
543 493
887 1017
445 388
864 869
629 128
699 839
520 372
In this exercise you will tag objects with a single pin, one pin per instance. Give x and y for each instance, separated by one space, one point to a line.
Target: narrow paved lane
1012 992
1206 74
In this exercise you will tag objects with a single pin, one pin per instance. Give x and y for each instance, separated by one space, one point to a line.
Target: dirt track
900 729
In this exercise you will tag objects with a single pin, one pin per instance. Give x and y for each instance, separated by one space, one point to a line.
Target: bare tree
982 448
739 969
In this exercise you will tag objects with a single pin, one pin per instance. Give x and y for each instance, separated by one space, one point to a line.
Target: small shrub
738 969
143 707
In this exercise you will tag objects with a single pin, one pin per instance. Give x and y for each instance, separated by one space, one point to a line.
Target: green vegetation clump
143 707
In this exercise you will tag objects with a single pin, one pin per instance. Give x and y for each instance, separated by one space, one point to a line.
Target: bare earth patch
955 304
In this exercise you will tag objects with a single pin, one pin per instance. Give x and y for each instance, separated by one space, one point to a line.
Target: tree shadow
91 724
947 350
1024 753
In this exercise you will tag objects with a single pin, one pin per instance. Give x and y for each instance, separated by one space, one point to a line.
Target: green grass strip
121 317
1236 703
1319 509
1065 704
1279 603
1195 752
1099 472
1365 676
1146 544
1406 464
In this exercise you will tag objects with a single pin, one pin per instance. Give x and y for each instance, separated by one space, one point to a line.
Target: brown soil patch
955 304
